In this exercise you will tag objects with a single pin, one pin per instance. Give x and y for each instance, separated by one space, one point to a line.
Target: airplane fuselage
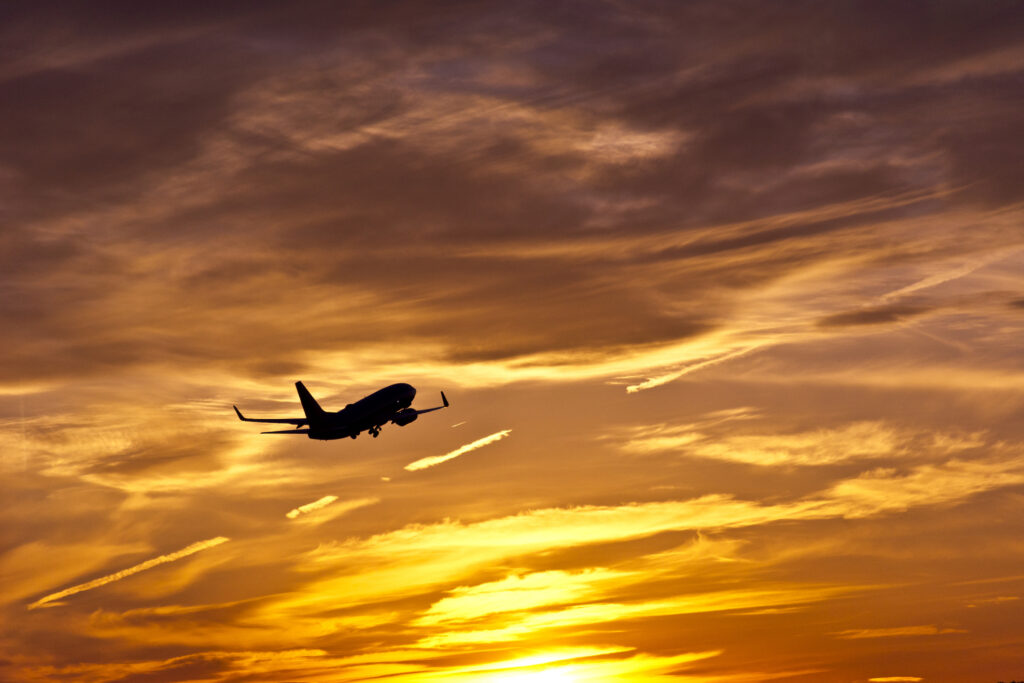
366 414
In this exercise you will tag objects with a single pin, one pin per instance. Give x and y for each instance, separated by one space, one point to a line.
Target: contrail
665 379
955 274
117 576
309 507
424 463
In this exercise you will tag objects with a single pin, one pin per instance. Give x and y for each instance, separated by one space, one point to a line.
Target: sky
727 298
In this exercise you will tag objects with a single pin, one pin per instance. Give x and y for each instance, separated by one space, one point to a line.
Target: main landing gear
374 432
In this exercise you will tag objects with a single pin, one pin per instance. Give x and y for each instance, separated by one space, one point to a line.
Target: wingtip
238 412
444 399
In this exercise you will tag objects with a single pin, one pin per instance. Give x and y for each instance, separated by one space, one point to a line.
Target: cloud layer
744 279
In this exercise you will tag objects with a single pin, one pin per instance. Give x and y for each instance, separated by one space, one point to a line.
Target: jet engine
404 417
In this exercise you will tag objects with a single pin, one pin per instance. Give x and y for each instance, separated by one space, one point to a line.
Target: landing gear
374 432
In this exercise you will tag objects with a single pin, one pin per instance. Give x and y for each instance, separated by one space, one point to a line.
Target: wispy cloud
895 632
596 664
695 214
124 573
372 568
676 374
521 592
424 463
886 490
998 600
859 440
952 274
368 570
531 623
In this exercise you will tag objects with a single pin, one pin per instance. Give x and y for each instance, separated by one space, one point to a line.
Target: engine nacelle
404 417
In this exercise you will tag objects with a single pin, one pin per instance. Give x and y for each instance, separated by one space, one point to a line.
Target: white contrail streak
424 463
955 274
309 507
665 379
117 576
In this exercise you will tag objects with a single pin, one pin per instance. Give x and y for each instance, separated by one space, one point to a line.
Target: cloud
372 569
577 616
871 316
859 440
954 274
885 490
896 632
998 600
517 593
203 204
124 573
29 569
424 463
662 379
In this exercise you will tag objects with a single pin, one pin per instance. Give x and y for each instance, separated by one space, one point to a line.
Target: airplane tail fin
314 413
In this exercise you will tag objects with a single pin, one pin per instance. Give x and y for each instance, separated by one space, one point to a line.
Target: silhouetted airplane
390 404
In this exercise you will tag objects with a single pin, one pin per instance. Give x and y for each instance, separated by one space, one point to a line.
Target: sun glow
552 675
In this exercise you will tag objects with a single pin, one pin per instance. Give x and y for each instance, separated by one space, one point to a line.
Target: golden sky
727 298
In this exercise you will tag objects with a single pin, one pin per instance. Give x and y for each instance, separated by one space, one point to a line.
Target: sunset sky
727 298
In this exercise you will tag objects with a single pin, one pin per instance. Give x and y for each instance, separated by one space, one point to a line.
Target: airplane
369 414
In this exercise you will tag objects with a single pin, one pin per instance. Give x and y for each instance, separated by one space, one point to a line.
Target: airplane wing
288 431
297 421
444 400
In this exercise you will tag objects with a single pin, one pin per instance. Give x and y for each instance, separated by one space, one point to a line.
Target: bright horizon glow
550 675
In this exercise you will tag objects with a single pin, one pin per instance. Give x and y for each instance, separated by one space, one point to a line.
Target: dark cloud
79 137
760 97
985 153
872 316
802 231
